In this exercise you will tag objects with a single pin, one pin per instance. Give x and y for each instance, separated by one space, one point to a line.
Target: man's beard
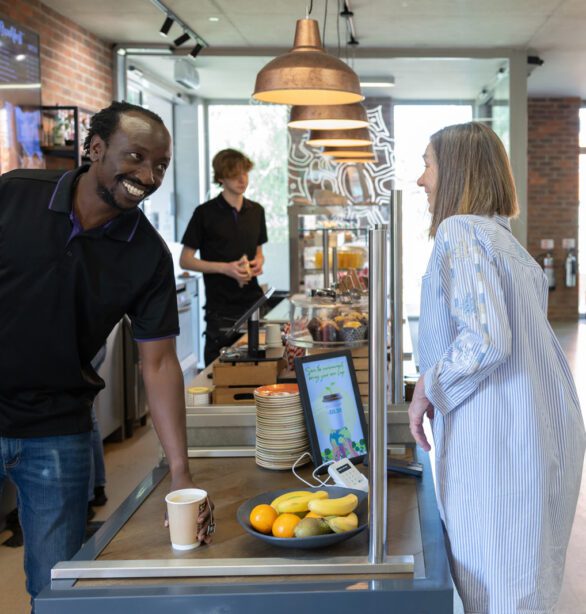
108 196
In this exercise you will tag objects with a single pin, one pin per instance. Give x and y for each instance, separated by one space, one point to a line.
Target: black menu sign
19 55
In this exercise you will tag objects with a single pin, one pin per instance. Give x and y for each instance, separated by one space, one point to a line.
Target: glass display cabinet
63 132
339 230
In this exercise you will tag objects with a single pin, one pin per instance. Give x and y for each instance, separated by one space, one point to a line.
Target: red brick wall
552 196
76 66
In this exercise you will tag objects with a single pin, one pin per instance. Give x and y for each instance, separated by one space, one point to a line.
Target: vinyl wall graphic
310 170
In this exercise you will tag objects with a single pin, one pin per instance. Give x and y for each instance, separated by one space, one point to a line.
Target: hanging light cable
307 75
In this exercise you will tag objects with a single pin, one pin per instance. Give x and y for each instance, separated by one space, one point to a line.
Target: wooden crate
359 352
235 395
246 373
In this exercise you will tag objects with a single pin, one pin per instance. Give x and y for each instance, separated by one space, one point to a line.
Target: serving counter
398 564
129 565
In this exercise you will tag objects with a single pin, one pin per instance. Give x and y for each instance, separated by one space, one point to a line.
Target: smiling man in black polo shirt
76 254
229 232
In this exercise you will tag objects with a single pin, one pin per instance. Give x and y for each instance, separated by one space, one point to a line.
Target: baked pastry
328 331
313 328
353 330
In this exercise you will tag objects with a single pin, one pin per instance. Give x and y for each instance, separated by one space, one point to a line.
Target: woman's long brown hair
474 174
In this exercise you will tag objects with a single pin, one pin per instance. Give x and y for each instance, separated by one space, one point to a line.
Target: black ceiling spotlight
167 25
534 60
195 51
345 12
188 33
181 39
353 40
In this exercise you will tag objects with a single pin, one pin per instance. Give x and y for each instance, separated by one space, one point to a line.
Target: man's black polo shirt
62 290
222 234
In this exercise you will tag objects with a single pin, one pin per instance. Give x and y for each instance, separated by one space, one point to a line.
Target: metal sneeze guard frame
434 588
377 562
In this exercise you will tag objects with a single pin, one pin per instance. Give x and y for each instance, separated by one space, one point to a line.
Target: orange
262 518
285 524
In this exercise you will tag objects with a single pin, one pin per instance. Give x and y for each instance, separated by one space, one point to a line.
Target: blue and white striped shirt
508 431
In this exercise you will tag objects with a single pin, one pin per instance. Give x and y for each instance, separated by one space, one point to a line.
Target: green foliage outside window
260 132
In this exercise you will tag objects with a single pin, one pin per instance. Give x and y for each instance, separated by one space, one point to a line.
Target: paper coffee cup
273 335
183 508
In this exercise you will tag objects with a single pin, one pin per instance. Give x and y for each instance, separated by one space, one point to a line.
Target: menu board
19 55
20 98
331 401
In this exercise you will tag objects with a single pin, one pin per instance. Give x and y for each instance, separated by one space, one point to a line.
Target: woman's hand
420 406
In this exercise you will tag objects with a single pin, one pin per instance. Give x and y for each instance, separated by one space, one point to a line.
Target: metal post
119 60
253 326
377 392
326 258
296 267
396 298
334 265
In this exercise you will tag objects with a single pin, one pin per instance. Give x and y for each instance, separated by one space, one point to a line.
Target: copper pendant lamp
339 138
328 117
349 152
354 160
307 75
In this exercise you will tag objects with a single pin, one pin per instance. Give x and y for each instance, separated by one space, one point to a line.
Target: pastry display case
340 230
328 322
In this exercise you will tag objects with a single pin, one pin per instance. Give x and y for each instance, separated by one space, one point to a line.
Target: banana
341 524
294 505
288 495
334 507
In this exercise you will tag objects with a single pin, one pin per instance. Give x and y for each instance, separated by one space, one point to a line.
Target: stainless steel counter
129 566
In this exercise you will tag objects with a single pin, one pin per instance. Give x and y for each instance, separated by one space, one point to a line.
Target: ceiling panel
553 29
415 78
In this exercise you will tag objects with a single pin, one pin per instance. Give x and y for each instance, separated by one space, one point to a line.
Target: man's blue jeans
98 467
51 476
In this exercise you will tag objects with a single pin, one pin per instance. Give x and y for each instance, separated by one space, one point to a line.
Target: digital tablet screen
333 410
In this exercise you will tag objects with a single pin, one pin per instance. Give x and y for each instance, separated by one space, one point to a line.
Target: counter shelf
230 430
344 227
129 564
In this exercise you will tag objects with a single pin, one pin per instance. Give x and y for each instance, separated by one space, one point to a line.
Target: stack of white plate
281 436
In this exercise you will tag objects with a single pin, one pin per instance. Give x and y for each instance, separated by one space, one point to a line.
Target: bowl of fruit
312 518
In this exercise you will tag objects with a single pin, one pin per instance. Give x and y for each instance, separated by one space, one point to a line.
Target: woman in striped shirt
507 427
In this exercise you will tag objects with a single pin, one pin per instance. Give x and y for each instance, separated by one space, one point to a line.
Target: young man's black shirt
222 234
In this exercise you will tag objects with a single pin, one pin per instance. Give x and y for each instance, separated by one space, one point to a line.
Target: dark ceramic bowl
318 541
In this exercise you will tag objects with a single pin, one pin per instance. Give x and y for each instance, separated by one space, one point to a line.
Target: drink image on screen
340 436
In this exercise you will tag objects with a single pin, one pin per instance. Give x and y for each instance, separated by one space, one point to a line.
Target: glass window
414 124
583 127
260 132
582 216
582 225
